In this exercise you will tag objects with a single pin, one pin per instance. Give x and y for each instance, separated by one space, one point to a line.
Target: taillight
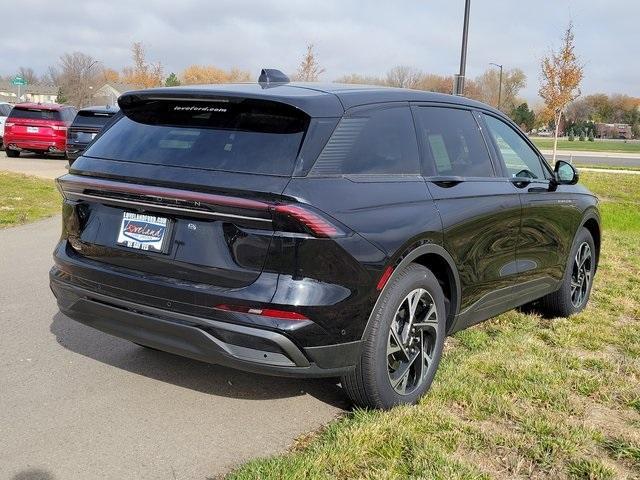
263 312
287 217
8 124
61 128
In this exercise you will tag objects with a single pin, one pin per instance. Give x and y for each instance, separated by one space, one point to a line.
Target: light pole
458 87
500 85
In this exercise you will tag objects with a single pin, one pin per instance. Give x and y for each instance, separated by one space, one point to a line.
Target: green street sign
18 80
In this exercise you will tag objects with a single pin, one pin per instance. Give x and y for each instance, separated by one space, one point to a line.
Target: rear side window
235 135
35 114
4 110
377 142
519 158
452 143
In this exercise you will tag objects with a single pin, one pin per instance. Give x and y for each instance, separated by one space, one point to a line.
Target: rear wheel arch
441 264
592 223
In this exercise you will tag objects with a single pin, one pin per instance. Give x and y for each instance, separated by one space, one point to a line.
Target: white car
5 108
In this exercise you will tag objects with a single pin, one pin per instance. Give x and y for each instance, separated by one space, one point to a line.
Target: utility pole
500 85
458 87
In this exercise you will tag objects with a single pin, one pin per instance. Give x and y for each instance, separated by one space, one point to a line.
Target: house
108 93
31 93
614 130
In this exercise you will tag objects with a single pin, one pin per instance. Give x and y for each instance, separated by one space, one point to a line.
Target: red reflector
263 312
318 225
384 278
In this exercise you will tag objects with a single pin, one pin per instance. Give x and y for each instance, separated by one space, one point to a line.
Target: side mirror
565 173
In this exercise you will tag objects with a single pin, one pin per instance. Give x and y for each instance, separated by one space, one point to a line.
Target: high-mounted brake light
263 312
315 223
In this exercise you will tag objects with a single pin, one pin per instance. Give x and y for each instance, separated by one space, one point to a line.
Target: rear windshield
235 135
97 119
35 114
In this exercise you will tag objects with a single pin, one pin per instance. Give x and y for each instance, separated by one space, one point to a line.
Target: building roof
316 99
33 89
118 87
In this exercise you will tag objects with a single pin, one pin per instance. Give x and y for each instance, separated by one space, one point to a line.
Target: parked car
317 230
5 108
37 127
86 125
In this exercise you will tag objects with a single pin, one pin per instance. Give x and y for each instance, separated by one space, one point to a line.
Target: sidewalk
608 170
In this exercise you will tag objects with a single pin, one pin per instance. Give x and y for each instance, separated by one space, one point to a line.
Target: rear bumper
18 143
203 339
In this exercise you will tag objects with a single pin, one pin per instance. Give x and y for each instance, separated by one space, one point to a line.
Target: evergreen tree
172 80
523 116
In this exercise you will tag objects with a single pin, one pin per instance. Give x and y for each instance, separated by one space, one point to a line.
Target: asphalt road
619 160
76 403
31 164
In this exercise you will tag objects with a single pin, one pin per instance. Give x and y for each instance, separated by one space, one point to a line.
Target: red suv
37 127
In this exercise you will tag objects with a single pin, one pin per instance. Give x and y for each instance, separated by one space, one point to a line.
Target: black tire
13 153
369 385
561 303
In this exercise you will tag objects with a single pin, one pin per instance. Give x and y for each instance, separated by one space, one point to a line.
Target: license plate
33 129
144 232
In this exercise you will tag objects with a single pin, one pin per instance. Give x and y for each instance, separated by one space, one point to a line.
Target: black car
86 125
317 230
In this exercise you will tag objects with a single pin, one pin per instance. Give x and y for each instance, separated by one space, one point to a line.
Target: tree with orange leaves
142 74
561 75
205 74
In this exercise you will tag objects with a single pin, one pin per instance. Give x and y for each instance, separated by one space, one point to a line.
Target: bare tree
489 88
29 75
309 69
403 76
78 76
360 79
560 81
52 76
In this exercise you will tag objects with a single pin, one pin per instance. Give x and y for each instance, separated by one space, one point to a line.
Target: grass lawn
518 396
597 146
25 199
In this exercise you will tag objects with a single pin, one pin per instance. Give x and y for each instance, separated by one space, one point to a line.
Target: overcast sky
350 36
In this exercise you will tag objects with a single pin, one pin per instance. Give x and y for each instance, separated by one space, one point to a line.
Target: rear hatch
86 125
185 189
35 123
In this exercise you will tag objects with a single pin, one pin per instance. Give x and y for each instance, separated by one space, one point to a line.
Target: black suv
317 230
86 125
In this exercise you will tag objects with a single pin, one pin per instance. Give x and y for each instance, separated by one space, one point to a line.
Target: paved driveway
30 164
76 403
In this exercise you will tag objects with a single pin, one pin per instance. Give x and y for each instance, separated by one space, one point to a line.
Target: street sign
18 80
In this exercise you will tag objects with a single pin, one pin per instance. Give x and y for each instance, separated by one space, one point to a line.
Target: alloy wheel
581 275
412 340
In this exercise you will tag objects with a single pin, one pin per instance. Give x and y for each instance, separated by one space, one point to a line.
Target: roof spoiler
271 75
